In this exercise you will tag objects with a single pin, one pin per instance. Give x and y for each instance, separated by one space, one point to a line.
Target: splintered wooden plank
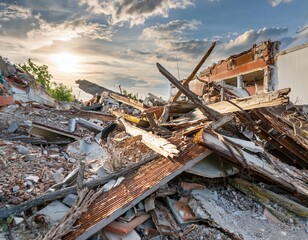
194 72
128 101
156 143
256 101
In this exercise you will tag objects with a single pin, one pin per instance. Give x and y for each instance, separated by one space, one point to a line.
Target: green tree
41 74
62 93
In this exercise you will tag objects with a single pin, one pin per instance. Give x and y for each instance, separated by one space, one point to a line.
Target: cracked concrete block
22 149
55 210
13 127
32 178
70 199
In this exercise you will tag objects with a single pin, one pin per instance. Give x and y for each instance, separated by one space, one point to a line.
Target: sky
112 42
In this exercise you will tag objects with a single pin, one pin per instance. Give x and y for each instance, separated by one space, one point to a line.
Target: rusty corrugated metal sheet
136 185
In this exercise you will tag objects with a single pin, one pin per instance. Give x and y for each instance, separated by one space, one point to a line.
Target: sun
66 62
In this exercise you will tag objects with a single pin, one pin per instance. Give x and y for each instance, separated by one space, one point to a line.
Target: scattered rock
15 188
32 178
31 156
22 149
13 127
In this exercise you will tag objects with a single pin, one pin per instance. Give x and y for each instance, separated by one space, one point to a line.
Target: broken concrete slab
32 178
72 125
18 220
22 149
109 185
13 127
55 211
91 125
213 166
205 193
128 216
91 149
70 199
207 209
181 212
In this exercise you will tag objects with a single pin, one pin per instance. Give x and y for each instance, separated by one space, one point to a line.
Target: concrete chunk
55 210
13 127
70 199
90 124
32 178
22 149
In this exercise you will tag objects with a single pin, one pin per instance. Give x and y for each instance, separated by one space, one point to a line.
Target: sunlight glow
66 62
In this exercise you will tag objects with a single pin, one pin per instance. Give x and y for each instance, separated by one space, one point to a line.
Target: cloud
173 38
10 11
277 2
134 12
299 38
47 33
173 30
248 38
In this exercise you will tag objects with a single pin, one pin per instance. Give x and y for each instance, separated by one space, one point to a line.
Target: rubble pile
224 165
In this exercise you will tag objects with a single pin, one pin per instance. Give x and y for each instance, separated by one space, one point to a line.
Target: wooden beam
210 113
136 104
156 143
262 193
256 101
194 72
282 176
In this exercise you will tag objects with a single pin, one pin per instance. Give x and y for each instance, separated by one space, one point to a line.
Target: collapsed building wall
250 70
16 84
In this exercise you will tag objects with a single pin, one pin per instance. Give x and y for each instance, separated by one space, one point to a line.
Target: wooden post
191 76
210 113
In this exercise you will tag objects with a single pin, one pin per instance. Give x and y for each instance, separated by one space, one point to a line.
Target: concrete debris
70 199
91 125
13 127
32 178
72 125
55 211
22 149
229 163
213 167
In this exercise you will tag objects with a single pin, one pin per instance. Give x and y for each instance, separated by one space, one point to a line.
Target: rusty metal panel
110 205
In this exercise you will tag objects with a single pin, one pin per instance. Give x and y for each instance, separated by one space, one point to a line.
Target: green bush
41 74
62 93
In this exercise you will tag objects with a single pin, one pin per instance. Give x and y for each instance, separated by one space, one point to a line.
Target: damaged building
228 161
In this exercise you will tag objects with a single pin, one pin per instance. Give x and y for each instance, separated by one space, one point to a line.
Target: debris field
224 164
